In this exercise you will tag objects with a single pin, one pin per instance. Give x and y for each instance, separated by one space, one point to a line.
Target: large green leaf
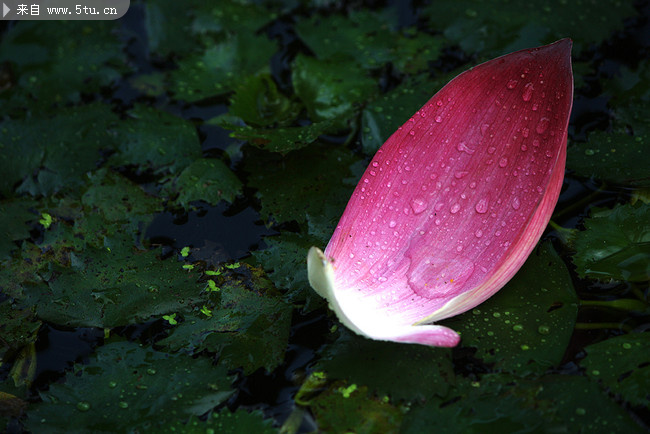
497 27
402 372
527 325
221 66
38 149
330 89
503 403
126 388
244 321
113 286
615 244
370 39
617 157
156 139
304 182
621 363
14 218
206 179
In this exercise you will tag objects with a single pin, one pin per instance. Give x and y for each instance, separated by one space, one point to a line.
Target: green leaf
43 157
328 89
617 157
205 179
621 364
284 261
258 102
17 328
126 387
156 139
114 286
498 27
354 409
369 39
116 198
304 182
402 372
72 57
527 325
248 324
14 218
503 403
615 244
225 422
281 139
221 67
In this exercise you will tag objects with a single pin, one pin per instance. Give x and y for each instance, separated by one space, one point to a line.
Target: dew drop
484 128
503 162
419 205
525 132
375 164
512 84
438 119
536 143
455 208
535 106
437 222
462 147
481 206
524 148
392 224
516 203
478 233
528 92
518 327
542 125
83 406
461 174
439 206
491 150
543 330
123 404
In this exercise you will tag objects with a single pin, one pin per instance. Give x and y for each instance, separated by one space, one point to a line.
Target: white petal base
321 275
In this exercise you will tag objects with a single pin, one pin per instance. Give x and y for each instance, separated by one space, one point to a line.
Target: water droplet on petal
478 233
438 119
419 205
460 174
512 84
503 162
455 208
462 147
542 125
528 92
83 406
392 224
516 203
484 128
525 132
491 150
481 206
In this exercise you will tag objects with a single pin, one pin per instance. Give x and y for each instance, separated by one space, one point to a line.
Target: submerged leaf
454 201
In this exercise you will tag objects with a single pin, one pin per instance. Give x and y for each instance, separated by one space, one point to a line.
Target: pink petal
454 202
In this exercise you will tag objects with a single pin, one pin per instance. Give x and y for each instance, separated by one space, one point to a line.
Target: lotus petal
453 203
